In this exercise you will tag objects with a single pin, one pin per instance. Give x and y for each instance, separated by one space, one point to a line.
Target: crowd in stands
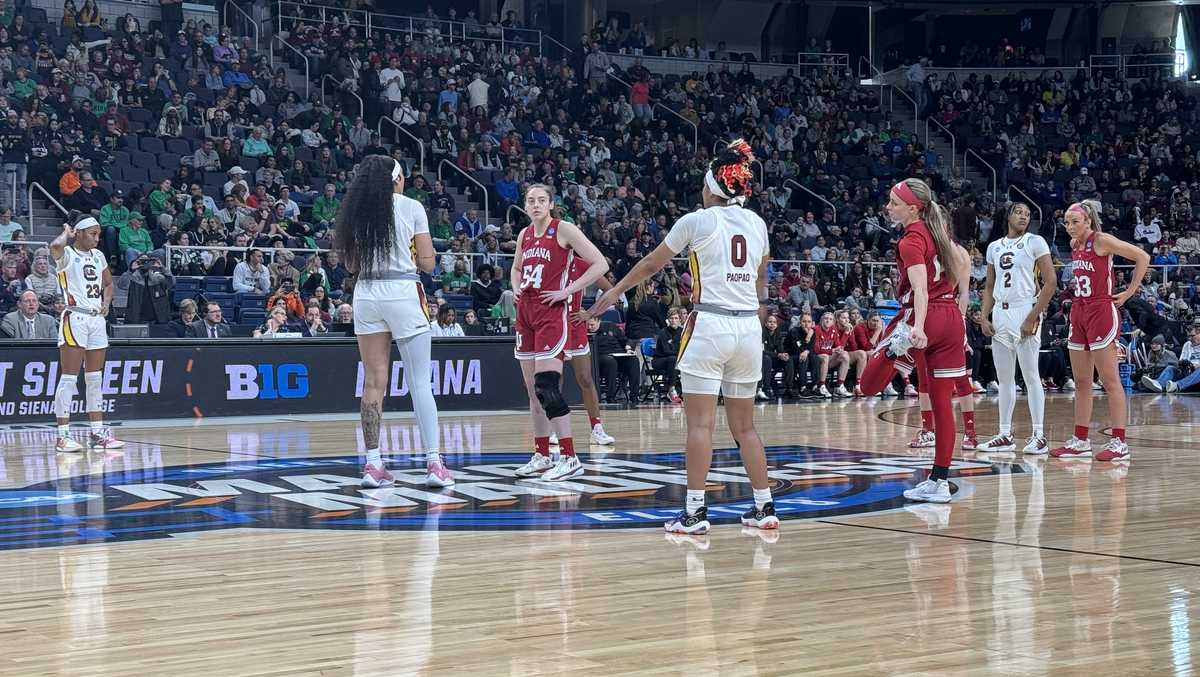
201 160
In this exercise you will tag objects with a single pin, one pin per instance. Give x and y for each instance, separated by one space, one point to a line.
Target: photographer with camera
148 286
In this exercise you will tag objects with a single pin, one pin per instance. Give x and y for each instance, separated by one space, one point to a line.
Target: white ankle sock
374 458
96 426
761 497
695 500
64 431
432 457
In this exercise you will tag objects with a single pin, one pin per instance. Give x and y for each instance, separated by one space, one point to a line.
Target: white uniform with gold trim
81 279
727 244
1015 288
396 302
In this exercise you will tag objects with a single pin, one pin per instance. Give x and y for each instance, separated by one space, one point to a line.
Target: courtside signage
635 491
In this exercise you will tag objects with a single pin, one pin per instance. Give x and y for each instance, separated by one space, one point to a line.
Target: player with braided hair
728 254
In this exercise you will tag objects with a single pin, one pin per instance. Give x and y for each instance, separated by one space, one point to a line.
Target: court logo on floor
617 491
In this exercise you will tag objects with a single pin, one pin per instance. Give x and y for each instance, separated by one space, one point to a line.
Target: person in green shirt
160 196
417 191
23 88
115 213
135 239
255 145
457 282
325 207
441 230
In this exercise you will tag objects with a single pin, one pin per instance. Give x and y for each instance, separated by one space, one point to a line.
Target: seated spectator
471 325
179 327
276 323
26 322
335 271
88 15
255 146
236 178
313 324
251 276
345 314
41 278
134 240
325 208
313 277
148 286
90 197
468 224
212 325
609 341
458 280
281 267
160 197
171 125
445 324
485 291
206 158
287 295
8 227
184 260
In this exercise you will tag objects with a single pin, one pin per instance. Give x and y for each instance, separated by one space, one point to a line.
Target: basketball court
244 546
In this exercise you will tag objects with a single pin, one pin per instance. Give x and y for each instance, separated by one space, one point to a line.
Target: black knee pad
546 385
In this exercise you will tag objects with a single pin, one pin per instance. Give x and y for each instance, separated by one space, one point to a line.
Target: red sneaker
375 477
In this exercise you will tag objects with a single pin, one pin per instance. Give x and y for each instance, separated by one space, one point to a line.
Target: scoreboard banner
254 377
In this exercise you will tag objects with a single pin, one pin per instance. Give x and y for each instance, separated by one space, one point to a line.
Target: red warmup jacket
827 340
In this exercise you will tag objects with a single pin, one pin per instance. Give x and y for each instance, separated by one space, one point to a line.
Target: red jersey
827 340
861 339
1092 274
578 268
917 247
545 264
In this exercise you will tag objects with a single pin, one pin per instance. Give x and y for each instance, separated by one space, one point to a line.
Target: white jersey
727 244
1014 262
81 277
410 219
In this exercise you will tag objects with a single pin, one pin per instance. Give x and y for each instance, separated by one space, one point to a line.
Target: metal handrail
307 70
249 19
420 143
814 194
916 111
971 151
1033 203
543 36
508 213
953 141
872 71
361 107
695 128
35 184
486 200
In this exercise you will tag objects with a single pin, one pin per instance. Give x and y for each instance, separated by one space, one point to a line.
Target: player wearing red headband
929 320
1094 326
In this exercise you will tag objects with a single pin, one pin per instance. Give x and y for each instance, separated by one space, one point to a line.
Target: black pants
805 370
975 365
666 366
1052 364
772 364
611 367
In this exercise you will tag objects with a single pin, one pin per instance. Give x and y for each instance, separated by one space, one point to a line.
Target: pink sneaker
375 477
439 475
104 440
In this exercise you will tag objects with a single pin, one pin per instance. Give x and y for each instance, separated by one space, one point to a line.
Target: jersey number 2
1007 279
531 276
737 251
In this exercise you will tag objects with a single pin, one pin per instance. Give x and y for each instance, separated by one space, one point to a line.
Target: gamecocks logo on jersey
1006 261
89 272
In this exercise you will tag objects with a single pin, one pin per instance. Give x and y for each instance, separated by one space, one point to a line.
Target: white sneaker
1069 385
930 491
924 440
910 391
841 391
537 465
823 391
104 440
1036 445
1074 448
566 468
438 475
1172 387
553 440
1115 450
999 443
375 476
1097 387
992 387
1151 384
890 391
67 444
601 437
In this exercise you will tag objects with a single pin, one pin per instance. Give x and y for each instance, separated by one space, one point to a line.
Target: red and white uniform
1094 319
860 339
945 356
542 329
577 334
828 340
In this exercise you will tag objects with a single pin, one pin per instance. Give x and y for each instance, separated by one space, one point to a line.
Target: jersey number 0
737 251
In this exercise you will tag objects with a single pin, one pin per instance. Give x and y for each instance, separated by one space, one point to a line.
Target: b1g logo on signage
266 381
324 493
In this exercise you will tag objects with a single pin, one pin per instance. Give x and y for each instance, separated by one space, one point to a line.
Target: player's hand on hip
581 316
919 340
554 296
986 325
1121 298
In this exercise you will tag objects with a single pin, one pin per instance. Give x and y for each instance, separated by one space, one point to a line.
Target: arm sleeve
681 234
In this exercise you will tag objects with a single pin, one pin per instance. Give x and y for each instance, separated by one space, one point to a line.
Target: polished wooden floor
1038 568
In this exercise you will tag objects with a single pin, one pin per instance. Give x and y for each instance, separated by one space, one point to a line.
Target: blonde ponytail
937 219
1093 209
